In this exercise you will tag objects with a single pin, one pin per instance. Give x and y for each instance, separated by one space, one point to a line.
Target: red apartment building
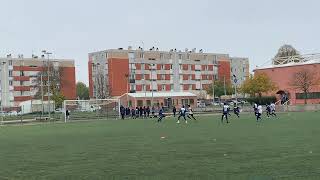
119 71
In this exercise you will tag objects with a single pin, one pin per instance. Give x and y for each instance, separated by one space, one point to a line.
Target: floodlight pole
152 87
48 80
2 93
95 67
41 83
127 96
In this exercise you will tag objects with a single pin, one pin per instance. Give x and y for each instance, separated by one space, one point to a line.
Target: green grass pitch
287 147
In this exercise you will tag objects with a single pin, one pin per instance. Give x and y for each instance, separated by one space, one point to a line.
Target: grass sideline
283 148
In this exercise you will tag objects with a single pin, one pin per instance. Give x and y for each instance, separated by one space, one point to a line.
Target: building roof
160 94
305 60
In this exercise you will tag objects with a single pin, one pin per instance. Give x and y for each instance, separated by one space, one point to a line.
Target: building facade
20 78
115 72
239 68
159 99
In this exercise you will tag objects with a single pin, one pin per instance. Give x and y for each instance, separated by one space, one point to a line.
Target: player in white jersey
225 112
255 109
273 109
182 113
259 112
190 113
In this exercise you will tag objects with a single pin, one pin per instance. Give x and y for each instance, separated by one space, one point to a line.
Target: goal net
94 109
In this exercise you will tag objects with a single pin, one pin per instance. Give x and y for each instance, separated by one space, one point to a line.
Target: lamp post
2 93
48 80
235 80
127 77
151 70
145 90
41 84
95 68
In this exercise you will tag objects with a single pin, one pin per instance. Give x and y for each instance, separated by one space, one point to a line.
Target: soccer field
287 147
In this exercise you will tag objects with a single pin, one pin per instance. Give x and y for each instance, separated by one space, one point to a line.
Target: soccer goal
94 109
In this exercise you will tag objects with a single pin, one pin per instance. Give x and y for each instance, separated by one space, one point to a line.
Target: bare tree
55 75
103 89
304 80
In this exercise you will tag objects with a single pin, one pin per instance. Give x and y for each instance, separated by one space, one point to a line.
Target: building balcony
21 78
21 88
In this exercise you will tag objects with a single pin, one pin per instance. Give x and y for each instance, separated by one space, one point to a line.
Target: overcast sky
73 28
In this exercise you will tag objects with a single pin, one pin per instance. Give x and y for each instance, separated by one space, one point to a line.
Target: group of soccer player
226 112
183 113
271 110
187 112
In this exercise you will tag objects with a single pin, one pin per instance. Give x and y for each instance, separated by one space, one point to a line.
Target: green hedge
262 100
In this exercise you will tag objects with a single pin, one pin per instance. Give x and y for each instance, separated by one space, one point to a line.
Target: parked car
13 113
201 104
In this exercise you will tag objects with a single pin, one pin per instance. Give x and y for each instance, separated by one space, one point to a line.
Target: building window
163 76
21 93
10 83
142 76
180 66
163 87
191 101
21 83
190 77
243 69
180 56
171 86
141 55
170 66
312 95
162 67
143 87
132 87
161 56
10 73
10 62
21 73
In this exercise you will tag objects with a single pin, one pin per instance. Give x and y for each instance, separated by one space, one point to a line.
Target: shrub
262 100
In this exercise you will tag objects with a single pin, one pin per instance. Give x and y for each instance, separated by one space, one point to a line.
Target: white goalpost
93 109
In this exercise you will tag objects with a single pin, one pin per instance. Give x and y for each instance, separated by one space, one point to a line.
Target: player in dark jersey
161 114
236 111
268 109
